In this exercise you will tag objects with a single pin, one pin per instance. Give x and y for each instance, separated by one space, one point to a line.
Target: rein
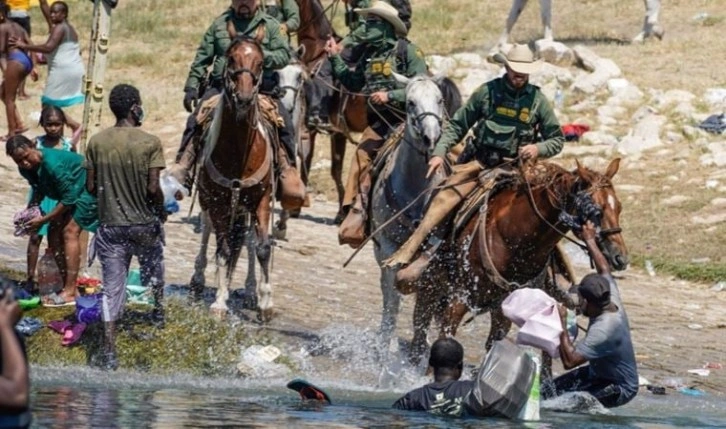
402 212
539 214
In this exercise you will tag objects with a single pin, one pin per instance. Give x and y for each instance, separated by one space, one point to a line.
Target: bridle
230 85
573 201
416 122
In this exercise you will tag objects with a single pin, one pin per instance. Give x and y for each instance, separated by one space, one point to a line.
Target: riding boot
352 230
292 188
460 185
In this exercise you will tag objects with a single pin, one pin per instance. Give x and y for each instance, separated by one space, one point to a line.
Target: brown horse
508 244
235 179
347 111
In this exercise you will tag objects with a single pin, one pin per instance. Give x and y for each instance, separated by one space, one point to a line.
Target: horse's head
291 79
600 188
243 74
425 109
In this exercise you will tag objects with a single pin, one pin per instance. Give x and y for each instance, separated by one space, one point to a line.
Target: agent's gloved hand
190 99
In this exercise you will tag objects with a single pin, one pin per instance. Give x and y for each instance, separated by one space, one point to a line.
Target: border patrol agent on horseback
507 114
286 12
243 18
389 52
320 90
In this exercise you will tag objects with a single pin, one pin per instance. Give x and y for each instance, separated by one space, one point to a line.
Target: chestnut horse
235 179
509 243
348 112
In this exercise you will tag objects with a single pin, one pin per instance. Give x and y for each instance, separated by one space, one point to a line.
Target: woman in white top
64 87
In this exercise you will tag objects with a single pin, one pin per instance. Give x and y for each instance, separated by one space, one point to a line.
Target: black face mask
137 112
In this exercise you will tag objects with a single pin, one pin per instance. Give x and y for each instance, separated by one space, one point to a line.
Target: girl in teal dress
53 121
59 175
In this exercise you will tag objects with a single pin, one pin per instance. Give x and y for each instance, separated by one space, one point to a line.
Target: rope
404 210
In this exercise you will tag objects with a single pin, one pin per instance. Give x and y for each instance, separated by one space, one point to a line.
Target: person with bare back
64 87
17 67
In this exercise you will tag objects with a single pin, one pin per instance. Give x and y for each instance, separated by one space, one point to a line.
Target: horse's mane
318 11
555 179
449 91
451 94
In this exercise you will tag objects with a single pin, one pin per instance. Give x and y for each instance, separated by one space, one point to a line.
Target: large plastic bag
503 383
542 331
524 303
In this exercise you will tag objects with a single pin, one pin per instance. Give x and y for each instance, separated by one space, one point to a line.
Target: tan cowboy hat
520 59
386 12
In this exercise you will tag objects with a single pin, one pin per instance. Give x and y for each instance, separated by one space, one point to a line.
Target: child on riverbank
53 121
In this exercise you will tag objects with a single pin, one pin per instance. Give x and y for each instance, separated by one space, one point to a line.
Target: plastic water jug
169 187
49 276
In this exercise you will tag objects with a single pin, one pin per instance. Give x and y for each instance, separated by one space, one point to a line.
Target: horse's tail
451 93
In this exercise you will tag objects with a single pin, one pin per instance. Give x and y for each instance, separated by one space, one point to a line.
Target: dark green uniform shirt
216 40
505 119
61 176
374 71
285 11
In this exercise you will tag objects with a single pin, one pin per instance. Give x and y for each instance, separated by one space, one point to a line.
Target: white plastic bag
542 331
170 186
524 303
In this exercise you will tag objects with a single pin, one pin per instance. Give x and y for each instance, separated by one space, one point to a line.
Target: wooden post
94 89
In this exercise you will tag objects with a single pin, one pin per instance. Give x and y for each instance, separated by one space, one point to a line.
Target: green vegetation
192 342
706 272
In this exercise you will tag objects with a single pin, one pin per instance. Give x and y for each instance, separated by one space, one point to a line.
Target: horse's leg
514 12
196 285
264 255
221 259
235 240
338 143
453 315
250 297
391 306
545 10
423 312
279 230
499 328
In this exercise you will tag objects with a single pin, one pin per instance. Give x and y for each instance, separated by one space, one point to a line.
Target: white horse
651 27
402 179
291 80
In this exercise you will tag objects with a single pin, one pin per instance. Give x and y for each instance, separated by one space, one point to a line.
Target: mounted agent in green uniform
286 12
243 18
319 90
510 118
385 52
356 23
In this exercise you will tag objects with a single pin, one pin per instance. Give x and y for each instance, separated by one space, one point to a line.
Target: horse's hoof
279 234
296 213
249 303
265 316
218 313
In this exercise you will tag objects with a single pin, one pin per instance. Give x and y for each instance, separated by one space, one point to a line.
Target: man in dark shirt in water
446 395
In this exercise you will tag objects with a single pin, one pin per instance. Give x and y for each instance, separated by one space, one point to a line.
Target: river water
87 398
